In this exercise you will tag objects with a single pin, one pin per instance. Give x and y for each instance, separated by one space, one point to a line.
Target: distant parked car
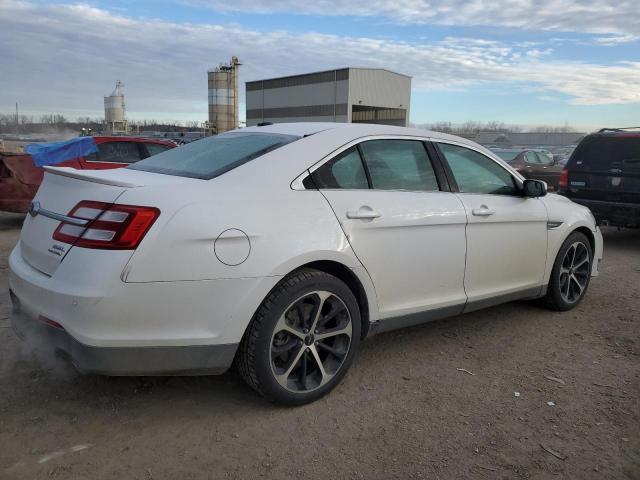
535 164
20 178
604 174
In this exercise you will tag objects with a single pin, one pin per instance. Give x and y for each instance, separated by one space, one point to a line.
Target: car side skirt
394 323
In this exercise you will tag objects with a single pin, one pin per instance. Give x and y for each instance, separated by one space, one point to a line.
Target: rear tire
571 273
302 339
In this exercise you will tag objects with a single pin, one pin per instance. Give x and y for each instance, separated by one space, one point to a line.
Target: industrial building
223 97
357 95
114 111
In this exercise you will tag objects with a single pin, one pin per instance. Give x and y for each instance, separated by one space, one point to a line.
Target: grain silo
223 97
114 111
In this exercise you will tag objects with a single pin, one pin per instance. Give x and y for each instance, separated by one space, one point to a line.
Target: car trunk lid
61 190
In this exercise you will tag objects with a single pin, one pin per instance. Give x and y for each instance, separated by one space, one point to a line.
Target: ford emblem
34 208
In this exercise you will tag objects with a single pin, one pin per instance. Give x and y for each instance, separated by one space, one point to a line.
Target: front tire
302 339
571 273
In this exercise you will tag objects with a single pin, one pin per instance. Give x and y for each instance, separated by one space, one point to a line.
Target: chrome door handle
483 211
363 213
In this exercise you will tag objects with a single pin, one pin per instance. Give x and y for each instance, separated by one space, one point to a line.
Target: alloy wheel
574 272
310 341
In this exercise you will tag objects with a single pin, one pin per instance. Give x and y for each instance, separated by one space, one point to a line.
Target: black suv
603 174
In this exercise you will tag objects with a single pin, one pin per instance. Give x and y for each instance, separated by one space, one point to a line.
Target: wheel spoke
323 373
318 310
573 255
582 262
568 285
282 378
289 329
333 333
577 282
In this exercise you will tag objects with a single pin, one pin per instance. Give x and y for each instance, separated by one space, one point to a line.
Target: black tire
256 359
557 297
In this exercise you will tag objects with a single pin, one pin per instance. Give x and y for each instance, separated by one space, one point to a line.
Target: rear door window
399 165
212 156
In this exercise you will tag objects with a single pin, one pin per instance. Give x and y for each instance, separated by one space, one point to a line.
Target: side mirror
534 188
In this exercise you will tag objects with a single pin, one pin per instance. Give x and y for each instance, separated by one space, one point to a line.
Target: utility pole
17 119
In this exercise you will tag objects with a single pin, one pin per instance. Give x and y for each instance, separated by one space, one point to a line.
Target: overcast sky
522 62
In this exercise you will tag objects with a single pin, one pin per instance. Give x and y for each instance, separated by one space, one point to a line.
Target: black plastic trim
124 361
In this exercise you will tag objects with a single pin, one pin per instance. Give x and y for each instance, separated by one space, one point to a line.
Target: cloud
602 16
64 58
614 40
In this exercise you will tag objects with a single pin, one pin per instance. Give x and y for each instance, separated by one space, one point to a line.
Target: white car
282 247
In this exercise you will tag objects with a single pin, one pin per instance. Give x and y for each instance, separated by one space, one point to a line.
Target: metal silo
223 96
114 111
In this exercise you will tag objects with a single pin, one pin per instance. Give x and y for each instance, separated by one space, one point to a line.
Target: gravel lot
405 410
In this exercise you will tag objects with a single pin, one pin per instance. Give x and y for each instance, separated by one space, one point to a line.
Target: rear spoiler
94 176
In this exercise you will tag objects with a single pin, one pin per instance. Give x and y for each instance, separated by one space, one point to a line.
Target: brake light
112 227
563 181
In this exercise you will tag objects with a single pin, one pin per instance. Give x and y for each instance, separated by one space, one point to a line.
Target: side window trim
364 165
444 176
438 167
454 185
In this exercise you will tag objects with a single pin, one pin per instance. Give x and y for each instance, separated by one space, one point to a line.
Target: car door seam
351 245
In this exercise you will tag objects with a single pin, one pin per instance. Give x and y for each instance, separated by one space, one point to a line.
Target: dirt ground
405 410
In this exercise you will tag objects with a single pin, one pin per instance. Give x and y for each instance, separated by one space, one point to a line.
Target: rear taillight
563 181
114 227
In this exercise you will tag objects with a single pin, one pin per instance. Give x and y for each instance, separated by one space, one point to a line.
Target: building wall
325 96
298 98
379 88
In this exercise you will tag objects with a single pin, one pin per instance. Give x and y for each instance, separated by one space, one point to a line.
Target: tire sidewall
268 384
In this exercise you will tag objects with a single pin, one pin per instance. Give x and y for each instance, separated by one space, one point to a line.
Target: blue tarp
58 152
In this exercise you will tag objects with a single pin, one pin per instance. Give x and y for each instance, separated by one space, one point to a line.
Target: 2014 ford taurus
281 247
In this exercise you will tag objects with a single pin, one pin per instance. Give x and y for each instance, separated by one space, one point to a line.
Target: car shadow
622 240
11 221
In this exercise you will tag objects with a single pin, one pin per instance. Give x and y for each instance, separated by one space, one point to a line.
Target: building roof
327 71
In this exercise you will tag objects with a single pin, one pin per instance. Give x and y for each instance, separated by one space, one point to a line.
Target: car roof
357 129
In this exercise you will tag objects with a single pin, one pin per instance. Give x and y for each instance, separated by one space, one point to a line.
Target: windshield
213 156
507 155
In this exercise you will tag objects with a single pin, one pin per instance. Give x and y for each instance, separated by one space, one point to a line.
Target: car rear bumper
613 213
112 327
120 361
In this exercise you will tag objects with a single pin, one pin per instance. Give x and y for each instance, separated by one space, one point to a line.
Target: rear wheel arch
346 275
343 273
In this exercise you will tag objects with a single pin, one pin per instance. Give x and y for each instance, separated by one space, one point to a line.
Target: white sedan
282 247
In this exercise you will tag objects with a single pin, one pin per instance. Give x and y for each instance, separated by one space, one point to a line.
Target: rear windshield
213 156
604 153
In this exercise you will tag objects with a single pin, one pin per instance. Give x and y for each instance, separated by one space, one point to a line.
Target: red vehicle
20 178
